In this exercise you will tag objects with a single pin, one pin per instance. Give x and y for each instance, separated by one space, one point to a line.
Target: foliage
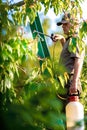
84 83
39 108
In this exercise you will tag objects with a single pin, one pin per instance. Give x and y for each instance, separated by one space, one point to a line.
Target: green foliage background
27 91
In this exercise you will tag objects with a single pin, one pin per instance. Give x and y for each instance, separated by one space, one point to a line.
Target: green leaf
74 40
56 9
7 83
39 7
31 13
2 86
48 72
9 48
11 74
45 1
62 81
4 55
72 45
24 44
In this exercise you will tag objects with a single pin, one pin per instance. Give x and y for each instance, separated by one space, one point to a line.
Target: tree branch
17 4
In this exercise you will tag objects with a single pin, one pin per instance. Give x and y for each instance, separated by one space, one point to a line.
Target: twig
17 4
21 69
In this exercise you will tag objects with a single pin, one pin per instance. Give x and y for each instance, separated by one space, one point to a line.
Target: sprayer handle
74 94
55 37
52 36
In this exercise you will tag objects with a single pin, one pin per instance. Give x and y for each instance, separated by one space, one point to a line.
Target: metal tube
41 33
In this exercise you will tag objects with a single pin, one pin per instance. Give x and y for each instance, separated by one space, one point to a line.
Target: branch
21 69
20 4
17 4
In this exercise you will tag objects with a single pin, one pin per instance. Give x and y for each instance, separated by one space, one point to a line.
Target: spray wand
43 34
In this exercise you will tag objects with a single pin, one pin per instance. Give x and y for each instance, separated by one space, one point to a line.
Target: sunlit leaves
39 109
31 14
30 9
76 43
42 99
62 81
72 45
12 53
84 84
47 68
83 29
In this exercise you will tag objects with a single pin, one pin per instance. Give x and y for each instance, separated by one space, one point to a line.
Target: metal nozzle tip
59 23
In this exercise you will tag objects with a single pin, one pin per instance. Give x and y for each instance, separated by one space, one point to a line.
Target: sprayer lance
43 34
